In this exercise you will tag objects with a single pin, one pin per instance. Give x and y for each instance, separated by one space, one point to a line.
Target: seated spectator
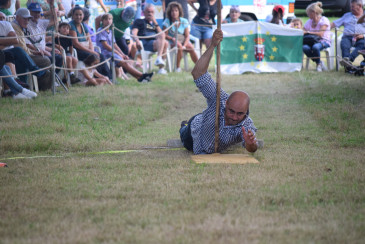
90 76
296 23
4 7
105 42
174 13
47 11
184 5
20 25
83 43
149 27
353 34
277 15
320 26
37 43
64 43
122 19
201 26
18 92
234 15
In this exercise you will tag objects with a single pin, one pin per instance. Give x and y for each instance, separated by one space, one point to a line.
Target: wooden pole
218 94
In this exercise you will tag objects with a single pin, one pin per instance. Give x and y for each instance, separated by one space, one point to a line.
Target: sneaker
159 62
324 68
183 123
178 70
74 79
145 77
20 96
162 71
319 67
29 93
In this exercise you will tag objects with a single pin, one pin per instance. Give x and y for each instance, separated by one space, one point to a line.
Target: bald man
198 134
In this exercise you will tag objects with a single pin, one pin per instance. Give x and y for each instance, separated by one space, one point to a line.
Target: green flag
260 47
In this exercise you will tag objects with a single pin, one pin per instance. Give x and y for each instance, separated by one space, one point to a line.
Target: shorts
201 32
148 44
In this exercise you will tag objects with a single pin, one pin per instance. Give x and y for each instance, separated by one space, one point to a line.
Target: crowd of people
28 44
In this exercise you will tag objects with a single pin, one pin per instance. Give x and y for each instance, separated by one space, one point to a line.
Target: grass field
308 187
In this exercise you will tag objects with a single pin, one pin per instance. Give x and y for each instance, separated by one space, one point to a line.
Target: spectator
183 3
20 25
86 74
277 15
201 26
37 43
320 26
18 57
122 19
105 42
64 43
296 23
48 13
353 35
174 14
86 23
83 44
234 15
17 90
149 27
4 7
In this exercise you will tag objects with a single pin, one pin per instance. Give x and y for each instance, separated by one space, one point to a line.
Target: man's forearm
202 64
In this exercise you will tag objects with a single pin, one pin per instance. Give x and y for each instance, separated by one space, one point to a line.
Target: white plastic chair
330 55
147 60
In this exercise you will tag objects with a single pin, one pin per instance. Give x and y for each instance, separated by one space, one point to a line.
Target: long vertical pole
218 94
53 64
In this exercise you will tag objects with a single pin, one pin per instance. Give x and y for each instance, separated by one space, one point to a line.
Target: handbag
311 39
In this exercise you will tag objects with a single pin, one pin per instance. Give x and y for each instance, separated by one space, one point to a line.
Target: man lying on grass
235 125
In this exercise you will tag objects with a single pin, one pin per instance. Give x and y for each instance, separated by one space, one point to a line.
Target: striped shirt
203 125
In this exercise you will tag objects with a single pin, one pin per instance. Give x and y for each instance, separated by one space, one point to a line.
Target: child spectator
234 15
4 7
296 23
64 43
86 74
277 15
105 42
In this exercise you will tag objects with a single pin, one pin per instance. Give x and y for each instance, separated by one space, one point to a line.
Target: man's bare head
237 106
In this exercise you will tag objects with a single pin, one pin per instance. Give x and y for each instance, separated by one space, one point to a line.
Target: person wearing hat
37 26
277 15
122 19
234 15
47 12
20 24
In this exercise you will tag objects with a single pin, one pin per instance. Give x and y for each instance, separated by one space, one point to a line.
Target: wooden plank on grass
217 158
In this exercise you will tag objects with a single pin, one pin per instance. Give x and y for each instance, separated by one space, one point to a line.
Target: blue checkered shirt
203 125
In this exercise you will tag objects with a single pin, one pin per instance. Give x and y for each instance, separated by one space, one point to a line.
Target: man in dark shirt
156 42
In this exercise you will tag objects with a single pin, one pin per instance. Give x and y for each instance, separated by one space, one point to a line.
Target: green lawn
308 186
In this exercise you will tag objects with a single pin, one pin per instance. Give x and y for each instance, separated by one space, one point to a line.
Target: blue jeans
24 63
346 44
12 84
314 52
201 32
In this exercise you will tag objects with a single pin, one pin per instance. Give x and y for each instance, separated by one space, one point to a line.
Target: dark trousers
123 45
102 69
185 135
